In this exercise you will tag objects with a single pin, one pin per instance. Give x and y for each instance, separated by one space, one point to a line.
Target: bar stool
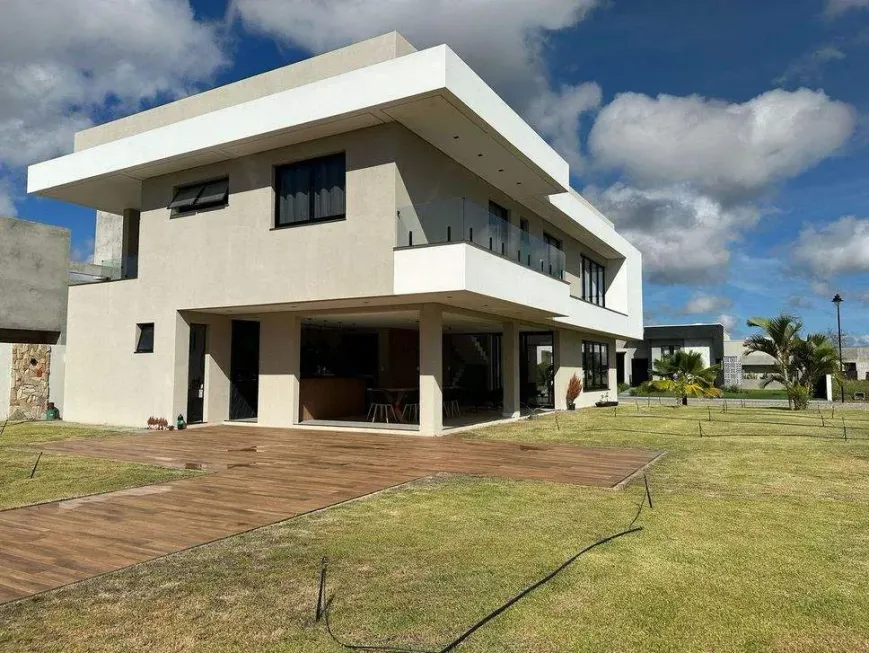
410 411
379 409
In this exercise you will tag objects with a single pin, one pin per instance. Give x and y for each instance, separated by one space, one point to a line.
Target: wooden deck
261 476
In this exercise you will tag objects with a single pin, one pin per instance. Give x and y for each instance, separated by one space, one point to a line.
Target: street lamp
837 300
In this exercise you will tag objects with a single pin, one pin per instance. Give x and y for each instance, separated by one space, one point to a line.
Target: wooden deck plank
260 476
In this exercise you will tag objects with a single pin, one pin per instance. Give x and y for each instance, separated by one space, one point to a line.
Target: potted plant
605 401
574 388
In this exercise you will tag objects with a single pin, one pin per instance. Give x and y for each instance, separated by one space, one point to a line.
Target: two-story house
369 235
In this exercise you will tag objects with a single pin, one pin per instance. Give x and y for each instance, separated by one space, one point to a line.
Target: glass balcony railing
459 220
127 267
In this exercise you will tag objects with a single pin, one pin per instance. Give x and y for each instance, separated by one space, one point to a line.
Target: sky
728 141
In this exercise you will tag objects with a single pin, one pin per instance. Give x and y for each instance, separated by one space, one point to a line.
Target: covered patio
425 368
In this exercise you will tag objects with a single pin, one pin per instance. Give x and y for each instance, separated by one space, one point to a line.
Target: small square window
145 338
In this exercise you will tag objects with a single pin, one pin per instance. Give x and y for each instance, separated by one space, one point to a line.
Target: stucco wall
568 361
34 264
352 57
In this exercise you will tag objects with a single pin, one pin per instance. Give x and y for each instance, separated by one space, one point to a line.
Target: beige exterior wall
568 361
353 57
232 257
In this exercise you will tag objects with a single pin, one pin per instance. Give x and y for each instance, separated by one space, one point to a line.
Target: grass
757 543
851 386
742 394
60 476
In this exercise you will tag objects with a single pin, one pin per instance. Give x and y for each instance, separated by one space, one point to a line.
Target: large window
593 282
202 195
595 365
311 191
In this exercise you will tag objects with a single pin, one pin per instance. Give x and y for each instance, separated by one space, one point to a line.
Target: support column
568 361
431 414
180 339
280 349
217 366
510 369
130 244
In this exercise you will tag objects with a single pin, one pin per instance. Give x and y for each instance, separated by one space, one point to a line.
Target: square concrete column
180 339
431 415
568 361
279 369
218 354
510 369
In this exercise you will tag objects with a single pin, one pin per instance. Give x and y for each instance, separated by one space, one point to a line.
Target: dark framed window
145 338
552 241
498 211
593 282
202 195
595 365
311 191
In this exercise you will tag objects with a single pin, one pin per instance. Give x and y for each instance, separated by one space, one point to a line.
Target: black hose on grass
33 471
323 604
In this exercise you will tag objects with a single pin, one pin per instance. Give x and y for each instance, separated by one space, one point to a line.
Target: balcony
459 220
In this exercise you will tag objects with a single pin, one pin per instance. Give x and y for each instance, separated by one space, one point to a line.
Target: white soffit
348 101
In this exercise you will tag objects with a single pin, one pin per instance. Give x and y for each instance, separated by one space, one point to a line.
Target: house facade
370 227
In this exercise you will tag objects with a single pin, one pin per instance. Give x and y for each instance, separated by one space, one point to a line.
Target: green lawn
61 476
756 543
742 394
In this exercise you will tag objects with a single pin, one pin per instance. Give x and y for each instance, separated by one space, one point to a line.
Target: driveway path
260 476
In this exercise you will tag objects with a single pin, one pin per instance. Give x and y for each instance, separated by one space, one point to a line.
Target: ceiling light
500 169
455 138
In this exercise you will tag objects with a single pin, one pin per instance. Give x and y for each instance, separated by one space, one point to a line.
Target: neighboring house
370 226
34 268
856 362
636 357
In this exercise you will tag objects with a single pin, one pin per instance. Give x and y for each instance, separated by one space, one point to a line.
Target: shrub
574 387
732 388
800 397
623 387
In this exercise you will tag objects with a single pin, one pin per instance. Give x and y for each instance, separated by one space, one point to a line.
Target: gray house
34 273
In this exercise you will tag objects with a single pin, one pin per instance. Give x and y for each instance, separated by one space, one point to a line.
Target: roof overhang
431 92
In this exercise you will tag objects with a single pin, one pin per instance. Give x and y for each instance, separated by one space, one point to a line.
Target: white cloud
840 247
700 303
684 236
728 150
558 113
7 199
729 322
503 40
838 7
63 62
810 67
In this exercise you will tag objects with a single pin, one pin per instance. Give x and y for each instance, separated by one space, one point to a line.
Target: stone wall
30 369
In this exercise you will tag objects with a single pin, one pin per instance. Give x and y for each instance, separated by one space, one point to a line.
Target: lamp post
837 300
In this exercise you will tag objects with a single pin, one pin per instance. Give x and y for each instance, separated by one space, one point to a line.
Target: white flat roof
432 92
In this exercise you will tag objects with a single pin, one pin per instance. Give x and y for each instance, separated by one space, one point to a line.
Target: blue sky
727 140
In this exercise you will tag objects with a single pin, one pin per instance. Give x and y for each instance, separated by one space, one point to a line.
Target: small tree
778 340
574 388
800 363
683 374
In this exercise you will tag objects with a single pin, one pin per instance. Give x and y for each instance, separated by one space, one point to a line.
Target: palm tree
814 357
683 374
779 339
